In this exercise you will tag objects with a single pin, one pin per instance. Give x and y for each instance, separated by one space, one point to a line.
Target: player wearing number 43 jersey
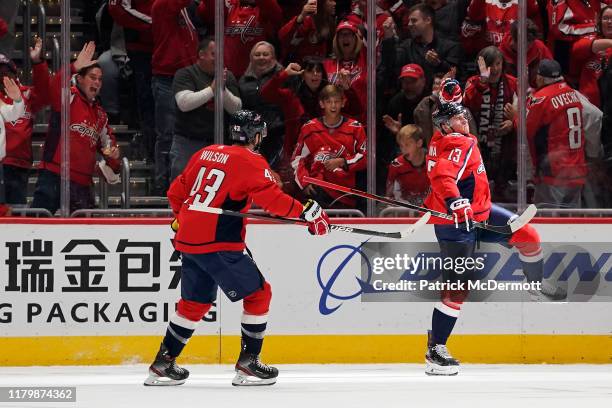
213 248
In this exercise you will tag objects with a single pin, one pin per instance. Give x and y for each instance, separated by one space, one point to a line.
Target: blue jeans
181 151
164 128
48 192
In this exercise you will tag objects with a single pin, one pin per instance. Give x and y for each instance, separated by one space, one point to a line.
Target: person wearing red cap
348 67
400 109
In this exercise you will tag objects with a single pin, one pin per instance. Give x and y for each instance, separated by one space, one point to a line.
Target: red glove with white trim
318 221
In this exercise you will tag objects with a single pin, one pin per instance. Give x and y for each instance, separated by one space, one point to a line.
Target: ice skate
438 360
548 293
164 370
251 371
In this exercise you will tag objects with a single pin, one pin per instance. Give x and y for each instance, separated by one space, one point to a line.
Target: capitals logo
247 30
87 132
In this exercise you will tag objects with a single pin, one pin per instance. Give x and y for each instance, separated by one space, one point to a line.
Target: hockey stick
333 227
512 227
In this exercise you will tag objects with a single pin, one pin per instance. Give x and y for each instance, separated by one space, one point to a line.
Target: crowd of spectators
302 65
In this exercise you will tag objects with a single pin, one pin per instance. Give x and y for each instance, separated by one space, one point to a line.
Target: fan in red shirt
310 33
536 51
555 133
89 136
348 68
568 22
331 148
407 177
18 160
587 54
247 22
487 21
213 250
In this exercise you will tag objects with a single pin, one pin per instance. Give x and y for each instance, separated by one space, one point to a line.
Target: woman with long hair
310 33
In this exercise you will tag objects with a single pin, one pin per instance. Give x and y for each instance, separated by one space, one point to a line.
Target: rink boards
101 292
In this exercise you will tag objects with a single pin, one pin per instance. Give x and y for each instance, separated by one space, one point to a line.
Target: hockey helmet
445 112
245 125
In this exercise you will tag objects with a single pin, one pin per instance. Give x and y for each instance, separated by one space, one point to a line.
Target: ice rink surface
322 386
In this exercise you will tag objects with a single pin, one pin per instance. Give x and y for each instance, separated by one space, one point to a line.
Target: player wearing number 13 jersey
213 249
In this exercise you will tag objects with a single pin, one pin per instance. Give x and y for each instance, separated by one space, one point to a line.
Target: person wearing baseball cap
400 110
549 69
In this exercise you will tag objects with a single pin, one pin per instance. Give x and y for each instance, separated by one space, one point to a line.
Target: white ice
338 386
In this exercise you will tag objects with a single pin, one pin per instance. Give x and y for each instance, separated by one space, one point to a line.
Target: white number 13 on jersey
204 196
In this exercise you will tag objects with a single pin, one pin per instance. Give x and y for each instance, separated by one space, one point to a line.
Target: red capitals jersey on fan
585 65
556 135
19 133
318 143
455 169
569 20
406 181
228 177
89 134
498 16
358 78
245 26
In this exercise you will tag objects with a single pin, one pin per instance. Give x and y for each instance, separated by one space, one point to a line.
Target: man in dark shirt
193 90
432 52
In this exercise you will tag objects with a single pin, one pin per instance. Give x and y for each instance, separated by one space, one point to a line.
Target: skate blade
435 369
156 380
242 379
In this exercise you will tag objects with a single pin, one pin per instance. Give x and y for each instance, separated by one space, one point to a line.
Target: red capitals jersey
497 17
406 181
245 26
318 143
175 39
359 81
19 132
569 20
556 135
228 177
455 169
585 66
89 134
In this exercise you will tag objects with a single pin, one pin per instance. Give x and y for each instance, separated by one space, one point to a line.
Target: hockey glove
174 225
461 211
318 221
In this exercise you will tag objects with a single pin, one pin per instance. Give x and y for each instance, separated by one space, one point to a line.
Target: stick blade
417 225
524 218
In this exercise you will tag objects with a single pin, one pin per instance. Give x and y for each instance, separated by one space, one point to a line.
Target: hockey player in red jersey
331 148
459 187
213 248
